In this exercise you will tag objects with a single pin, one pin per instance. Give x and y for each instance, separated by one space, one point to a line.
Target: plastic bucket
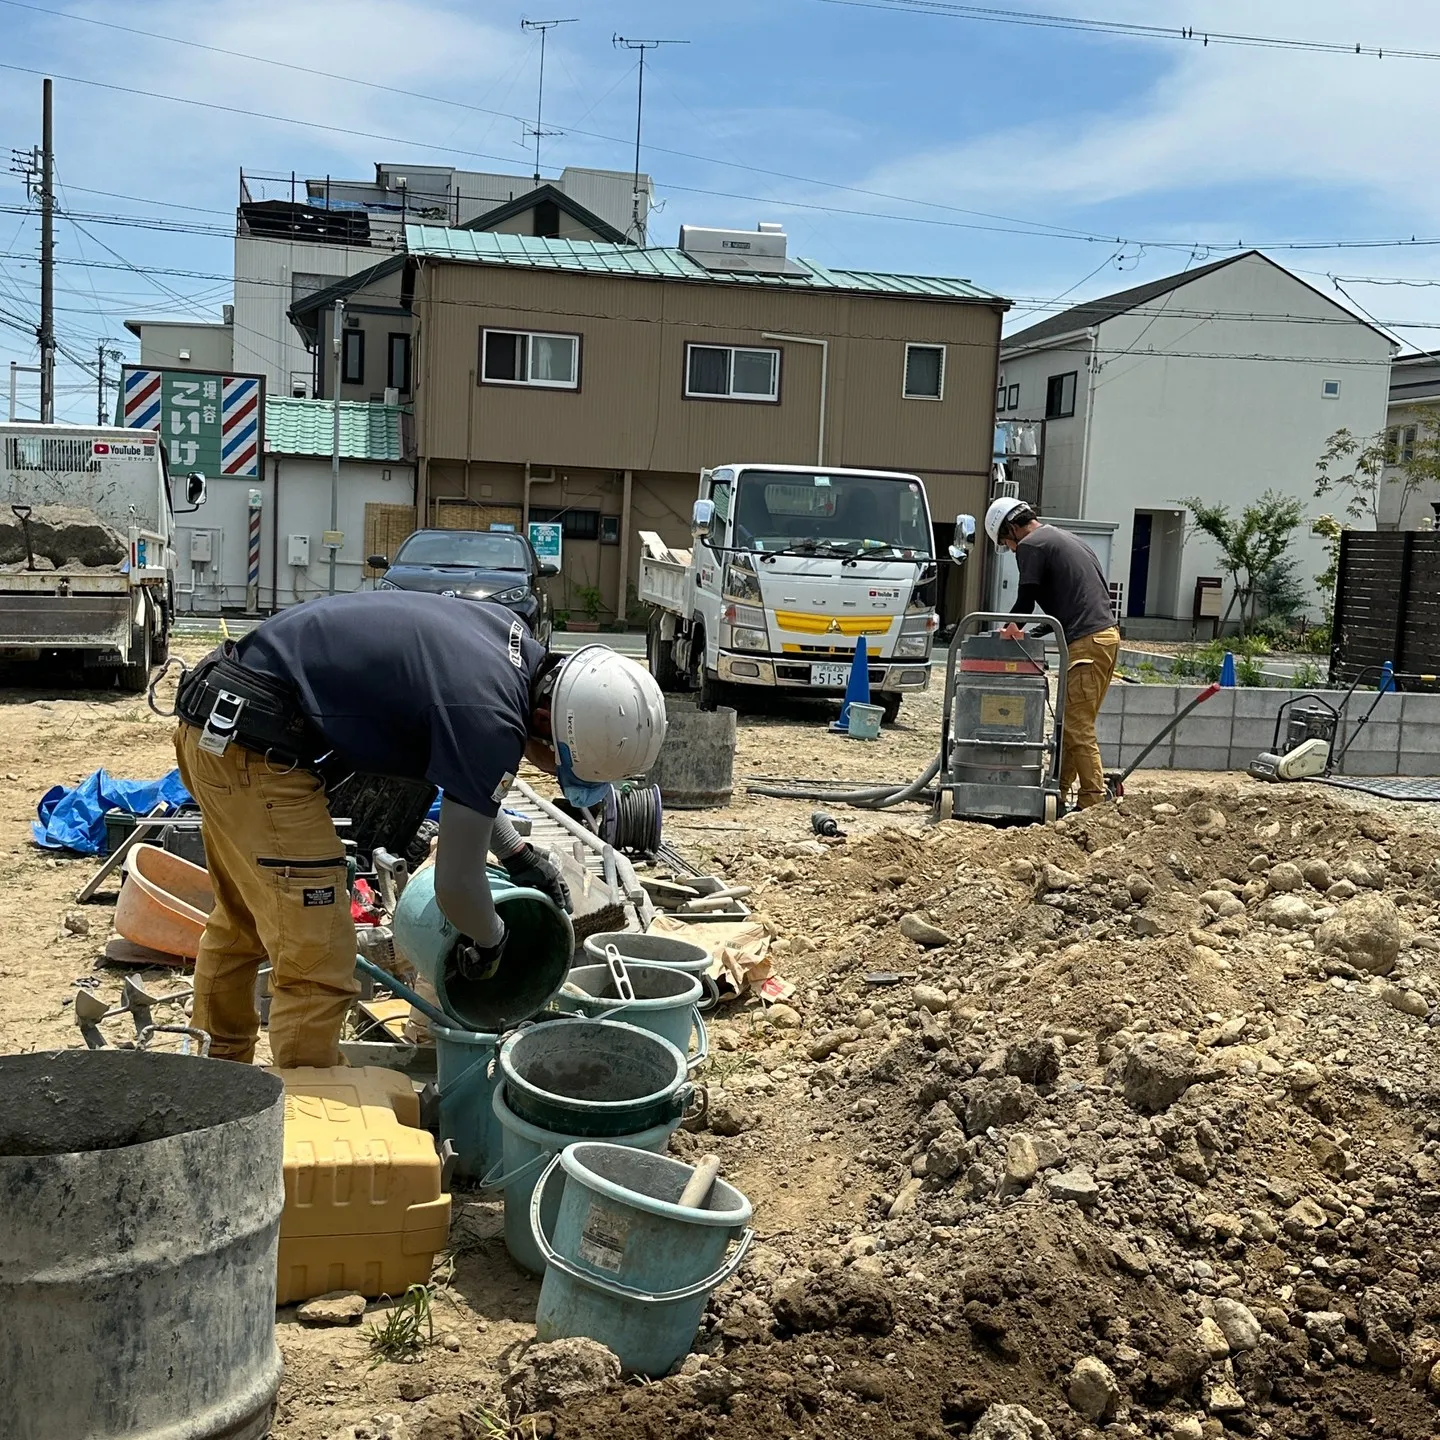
537 958
525 1149
865 721
665 1003
593 1078
628 1266
466 1082
639 949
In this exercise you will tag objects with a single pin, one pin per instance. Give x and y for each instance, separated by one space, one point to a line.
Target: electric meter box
298 548
200 547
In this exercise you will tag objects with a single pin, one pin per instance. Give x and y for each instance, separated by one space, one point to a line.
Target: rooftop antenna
621 43
544 27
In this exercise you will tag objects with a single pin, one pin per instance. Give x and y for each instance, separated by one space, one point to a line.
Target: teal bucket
665 1003
525 1149
627 1266
865 721
637 949
592 1078
464 1062
537 958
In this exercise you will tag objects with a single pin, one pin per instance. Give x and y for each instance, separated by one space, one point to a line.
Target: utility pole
544 27
47 264
102 354
621 43
335 347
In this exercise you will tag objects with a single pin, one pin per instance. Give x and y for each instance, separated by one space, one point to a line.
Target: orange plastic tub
163 902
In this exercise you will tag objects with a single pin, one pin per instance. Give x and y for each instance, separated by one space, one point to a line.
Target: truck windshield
831 514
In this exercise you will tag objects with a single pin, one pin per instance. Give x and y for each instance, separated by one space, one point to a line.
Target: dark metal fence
1387 604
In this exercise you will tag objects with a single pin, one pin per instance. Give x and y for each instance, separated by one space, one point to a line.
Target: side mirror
701 516
378 562
548 568
195 488
964 538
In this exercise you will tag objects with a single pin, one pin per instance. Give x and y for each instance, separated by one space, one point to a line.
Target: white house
291 505
1222 381
1414 412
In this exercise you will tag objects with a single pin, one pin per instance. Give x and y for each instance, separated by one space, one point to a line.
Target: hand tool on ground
432 1013
715 900
135 1001
1115 779
701 1182
824 825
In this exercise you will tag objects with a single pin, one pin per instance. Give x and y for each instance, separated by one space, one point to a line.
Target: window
525 357
1400 444
924 372
1330 389
1060 396
398 371
1014 401
1000 395
574 524
609 529
352 357
727 372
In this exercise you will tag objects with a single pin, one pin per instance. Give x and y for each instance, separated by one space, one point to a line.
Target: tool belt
229 705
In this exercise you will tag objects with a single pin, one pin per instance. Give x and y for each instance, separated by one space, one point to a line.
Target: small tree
1252 547
1328 528
1364 470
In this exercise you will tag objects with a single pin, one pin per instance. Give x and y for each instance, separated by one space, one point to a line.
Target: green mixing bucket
464 1061
664 1002
637 949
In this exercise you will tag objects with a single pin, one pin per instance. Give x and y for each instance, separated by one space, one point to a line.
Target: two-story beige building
589 382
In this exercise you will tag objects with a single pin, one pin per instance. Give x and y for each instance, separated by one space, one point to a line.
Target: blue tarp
75 819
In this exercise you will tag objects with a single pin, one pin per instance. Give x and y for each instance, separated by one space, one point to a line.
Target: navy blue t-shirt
427 687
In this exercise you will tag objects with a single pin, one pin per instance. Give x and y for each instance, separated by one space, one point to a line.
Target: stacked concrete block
1419 735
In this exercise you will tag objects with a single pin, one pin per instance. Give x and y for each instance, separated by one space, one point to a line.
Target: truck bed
664 574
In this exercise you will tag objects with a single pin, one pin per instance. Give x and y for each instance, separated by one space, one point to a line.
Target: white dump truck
790 566
87 558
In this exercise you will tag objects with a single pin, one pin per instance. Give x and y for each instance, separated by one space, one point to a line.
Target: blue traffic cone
1227 670
857 688
1387 678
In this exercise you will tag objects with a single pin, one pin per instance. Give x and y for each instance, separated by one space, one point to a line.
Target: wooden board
386 528
455 515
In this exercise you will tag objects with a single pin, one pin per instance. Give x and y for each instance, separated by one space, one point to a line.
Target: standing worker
393 683
1061 575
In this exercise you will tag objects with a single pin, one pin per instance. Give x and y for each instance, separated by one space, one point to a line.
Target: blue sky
951 135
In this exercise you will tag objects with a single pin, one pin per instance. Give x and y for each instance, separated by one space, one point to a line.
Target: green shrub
1248 671
1306 677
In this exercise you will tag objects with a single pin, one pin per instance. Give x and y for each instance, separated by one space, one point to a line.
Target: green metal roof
368 431
594 257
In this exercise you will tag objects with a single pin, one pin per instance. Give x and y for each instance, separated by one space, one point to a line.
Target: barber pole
252 573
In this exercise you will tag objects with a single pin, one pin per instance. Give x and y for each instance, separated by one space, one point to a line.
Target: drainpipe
623 587
275 535
529 481
1094 335
824 380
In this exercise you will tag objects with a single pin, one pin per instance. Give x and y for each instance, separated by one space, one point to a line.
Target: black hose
871 797
633 818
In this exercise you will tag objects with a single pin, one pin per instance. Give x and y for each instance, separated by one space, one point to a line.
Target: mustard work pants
278 871
1090 670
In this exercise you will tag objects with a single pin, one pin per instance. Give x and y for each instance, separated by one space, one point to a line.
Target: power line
1183 33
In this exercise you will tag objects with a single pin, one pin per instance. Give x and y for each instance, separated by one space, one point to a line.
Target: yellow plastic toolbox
364 1209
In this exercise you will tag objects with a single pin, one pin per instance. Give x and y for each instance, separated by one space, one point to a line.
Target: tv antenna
621 43
539 132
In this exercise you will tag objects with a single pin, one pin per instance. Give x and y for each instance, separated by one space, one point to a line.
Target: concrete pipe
140 1199
696 768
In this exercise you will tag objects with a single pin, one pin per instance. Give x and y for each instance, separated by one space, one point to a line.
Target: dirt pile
61 536
1135 1128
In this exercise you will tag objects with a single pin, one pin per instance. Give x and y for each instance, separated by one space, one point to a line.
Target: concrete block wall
1402 736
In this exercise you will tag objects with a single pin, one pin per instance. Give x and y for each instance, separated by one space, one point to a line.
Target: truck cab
791 567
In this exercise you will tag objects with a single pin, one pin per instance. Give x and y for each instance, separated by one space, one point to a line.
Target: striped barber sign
240 427
141 407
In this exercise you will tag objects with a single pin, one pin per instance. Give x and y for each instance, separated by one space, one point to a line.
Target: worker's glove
480 962
535 869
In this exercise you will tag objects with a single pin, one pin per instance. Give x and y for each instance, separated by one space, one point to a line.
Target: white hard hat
607 718
999 512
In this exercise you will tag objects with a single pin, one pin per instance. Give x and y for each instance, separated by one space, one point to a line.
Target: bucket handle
727 1268
446 1091
495 1179
702 1050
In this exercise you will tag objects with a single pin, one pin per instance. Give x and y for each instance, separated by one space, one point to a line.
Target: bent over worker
391 683
1060 575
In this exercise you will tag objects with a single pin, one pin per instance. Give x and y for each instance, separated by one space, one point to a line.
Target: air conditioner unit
1006 490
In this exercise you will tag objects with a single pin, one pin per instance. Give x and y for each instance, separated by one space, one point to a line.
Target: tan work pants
1091 667
278 871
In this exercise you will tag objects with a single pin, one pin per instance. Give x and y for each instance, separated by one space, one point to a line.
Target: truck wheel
135 678
709 692
890 707
660 655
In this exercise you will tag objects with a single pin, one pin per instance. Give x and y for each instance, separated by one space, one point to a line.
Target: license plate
836 677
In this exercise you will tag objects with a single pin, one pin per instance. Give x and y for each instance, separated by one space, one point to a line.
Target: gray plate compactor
999 760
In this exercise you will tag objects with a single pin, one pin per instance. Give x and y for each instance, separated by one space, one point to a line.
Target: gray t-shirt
1065 579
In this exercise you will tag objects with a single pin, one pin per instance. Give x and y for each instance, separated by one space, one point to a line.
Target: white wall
304 509
1064 439
266 343
209 346
1203 418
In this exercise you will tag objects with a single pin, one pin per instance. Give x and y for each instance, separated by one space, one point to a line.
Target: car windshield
830 514
473 549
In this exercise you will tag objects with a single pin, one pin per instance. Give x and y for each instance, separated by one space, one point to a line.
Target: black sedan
496 565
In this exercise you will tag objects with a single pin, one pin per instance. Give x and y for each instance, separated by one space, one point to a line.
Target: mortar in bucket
537 957
593 1077
638 949
627 1265
525 1150
665 1003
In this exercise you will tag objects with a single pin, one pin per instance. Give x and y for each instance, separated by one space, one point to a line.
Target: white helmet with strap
999 512
607 718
